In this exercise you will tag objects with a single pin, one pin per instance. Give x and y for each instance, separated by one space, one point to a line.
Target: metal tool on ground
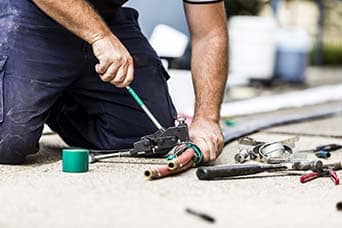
225 171
328 170
320 173
242 156
323 151
274 153
271 153
155 145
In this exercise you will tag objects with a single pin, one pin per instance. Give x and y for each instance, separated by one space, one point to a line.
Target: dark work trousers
47 75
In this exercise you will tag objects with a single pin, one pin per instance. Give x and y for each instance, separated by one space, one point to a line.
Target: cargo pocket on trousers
3 60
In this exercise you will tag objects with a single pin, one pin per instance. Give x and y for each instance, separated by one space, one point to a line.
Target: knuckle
122 76
129 81
119 59
124 84
105 63
205 158
113 83
119 84
125 61
117 80
106 78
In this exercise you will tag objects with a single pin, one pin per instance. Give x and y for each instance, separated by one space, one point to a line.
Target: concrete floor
115 193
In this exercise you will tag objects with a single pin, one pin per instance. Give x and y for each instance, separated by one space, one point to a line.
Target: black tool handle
328 147
210 173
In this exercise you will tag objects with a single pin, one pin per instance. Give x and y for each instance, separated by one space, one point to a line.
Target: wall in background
154 12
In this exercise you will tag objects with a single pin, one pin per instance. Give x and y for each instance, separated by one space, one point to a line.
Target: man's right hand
115 63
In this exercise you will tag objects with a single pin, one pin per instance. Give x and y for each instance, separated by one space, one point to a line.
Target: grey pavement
115 193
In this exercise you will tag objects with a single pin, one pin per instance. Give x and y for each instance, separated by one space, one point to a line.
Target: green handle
135 96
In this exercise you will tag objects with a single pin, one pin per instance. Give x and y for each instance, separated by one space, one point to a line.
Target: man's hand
208 137
115 62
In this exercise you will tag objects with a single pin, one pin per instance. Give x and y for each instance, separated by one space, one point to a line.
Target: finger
98 69
102 67
212 147
204 149
130 75
110 73
220 145
120 76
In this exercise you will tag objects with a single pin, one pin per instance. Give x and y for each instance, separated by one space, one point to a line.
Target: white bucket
252 47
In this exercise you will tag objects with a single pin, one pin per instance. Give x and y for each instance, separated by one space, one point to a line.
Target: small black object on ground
201 215
339 206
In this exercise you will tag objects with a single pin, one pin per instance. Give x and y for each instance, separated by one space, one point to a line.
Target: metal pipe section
163 171
94 158
183 159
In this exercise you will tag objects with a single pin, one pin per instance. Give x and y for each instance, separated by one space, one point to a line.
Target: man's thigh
35 67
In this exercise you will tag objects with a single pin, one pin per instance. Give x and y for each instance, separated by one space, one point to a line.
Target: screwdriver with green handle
93 158
144 107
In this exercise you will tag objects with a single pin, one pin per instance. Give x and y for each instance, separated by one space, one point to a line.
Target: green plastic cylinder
75 160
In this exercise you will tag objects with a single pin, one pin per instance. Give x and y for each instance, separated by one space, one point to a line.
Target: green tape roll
75 160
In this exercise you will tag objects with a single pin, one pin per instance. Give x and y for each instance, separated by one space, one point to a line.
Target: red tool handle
308 177
334 177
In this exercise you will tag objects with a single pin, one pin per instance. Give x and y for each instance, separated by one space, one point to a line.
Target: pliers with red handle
323 173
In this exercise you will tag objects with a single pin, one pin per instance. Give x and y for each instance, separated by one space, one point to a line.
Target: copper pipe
164 171
153 173
180 161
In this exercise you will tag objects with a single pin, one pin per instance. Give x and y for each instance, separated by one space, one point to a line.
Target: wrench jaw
161 142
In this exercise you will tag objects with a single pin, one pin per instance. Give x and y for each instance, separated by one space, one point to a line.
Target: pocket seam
3 61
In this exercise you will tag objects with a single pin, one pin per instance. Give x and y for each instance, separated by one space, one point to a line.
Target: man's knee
15 147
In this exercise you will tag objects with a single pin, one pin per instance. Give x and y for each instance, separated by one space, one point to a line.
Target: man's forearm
209 67
78 16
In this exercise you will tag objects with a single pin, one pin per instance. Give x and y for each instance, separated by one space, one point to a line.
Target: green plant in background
332 54
332 41
242 7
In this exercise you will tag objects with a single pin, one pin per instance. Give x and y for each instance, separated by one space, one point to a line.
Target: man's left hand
207 135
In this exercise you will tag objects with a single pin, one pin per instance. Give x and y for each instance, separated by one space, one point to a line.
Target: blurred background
276 47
